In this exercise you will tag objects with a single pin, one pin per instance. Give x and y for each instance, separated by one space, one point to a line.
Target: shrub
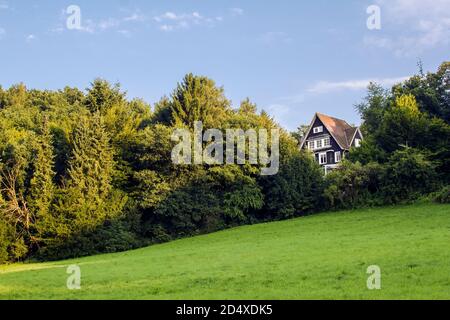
296 190
443 196
4 242
11 249
408 175
353 185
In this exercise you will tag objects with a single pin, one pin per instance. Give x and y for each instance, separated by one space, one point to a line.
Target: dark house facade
330 139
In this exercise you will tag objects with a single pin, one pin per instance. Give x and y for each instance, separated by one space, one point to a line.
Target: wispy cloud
4 5
101 25
171 21
135 17
237 12
2 33
420 25
273 37
327 87
30 38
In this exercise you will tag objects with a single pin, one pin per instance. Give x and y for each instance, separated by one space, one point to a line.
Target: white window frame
357 143
337 157
311 145
318 129
320 158
325 142
319 144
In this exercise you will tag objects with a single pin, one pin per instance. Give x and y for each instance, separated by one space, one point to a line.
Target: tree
296 190
403 125
41 190
432 91
198 99
89 199
101 96
372 109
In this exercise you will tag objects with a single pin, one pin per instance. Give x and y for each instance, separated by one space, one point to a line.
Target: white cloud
96 26
420 25
276 37
326 86
237 12
30 38
2 33
108 24
135 17
125 33
4 5
171 21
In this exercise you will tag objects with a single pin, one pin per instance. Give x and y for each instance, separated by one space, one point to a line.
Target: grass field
318 257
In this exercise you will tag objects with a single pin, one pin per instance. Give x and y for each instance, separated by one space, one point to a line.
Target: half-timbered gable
330 139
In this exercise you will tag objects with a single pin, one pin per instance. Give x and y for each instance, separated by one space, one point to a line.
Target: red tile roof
341 131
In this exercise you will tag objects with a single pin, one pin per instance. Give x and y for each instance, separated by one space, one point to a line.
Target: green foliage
296 190
404 177
354 185
443 196
85 172
41 189
414 114
102 96
198 99
432 91
408 174
5 240
89 199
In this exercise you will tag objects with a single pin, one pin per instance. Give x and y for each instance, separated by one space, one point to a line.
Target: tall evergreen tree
42 189
198 99
90 199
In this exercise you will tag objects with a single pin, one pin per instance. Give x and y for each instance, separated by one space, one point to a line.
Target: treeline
85 172
406 151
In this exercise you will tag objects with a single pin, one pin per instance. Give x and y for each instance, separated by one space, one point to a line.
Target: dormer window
357 143
318 129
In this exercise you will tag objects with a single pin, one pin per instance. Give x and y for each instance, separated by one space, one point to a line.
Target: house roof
341 131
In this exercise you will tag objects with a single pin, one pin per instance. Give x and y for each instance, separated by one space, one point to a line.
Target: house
330 139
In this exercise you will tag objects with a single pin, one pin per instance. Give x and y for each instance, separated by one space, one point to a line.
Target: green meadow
324 256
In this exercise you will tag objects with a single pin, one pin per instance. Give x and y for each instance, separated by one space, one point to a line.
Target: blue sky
293 58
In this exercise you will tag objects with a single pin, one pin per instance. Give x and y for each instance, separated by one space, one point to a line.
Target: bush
443 196
113 236
296 190
4 242
354 185
11 249
408 175
405 177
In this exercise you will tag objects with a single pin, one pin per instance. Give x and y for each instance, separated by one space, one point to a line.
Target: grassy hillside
323 256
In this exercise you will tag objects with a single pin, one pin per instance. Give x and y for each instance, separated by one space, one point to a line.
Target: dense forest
86 172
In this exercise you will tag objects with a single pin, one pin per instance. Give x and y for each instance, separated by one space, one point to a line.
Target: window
327 142
322 158
337 157
311 145
318 144
318 129
357 143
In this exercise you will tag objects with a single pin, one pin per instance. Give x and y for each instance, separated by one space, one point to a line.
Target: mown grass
317 257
